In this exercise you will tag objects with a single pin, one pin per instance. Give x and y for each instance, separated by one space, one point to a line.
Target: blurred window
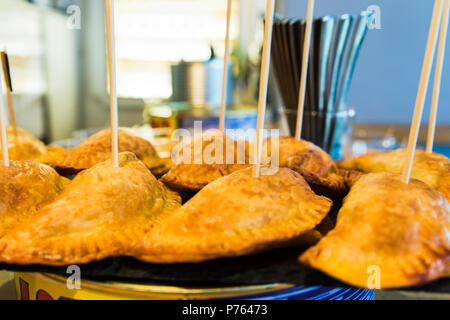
21 33
151 35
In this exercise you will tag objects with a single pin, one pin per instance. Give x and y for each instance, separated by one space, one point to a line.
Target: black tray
278 266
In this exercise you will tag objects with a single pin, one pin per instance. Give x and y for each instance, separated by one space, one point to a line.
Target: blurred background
169 60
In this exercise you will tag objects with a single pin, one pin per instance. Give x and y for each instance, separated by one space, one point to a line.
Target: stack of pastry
108 211
125 211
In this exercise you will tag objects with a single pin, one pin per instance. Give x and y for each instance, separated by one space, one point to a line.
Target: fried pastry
97 148
25 146
105 211
431 168
25 186
388 235
238 215
194 172
314 164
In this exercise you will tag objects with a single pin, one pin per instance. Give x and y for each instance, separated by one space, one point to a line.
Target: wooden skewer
304 70
264 81
423 86
223 104
3 128
9 97
112 78
437 77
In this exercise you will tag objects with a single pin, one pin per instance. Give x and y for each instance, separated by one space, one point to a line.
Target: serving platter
273 267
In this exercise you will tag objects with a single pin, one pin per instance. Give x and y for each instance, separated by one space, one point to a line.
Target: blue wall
387 76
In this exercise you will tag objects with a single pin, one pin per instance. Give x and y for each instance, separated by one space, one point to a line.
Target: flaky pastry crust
25 186
105 211
191 176
431 168
97 148
237 215
26 147
314 164
399 230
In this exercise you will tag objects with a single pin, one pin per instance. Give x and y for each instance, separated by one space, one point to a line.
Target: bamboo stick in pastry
105 211
314 164
193 170
389 234
236 215
97 148
431 168
25 146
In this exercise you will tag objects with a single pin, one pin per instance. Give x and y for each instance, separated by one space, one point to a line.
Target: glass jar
332 131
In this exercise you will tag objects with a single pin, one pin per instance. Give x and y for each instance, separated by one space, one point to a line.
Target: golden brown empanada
385 225
193 176
314 164
105 211
97 148
431 168
237 215
26 147
25 186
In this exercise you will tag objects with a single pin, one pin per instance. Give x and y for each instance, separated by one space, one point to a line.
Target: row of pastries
107 211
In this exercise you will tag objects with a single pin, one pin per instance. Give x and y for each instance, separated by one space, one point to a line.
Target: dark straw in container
335 46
